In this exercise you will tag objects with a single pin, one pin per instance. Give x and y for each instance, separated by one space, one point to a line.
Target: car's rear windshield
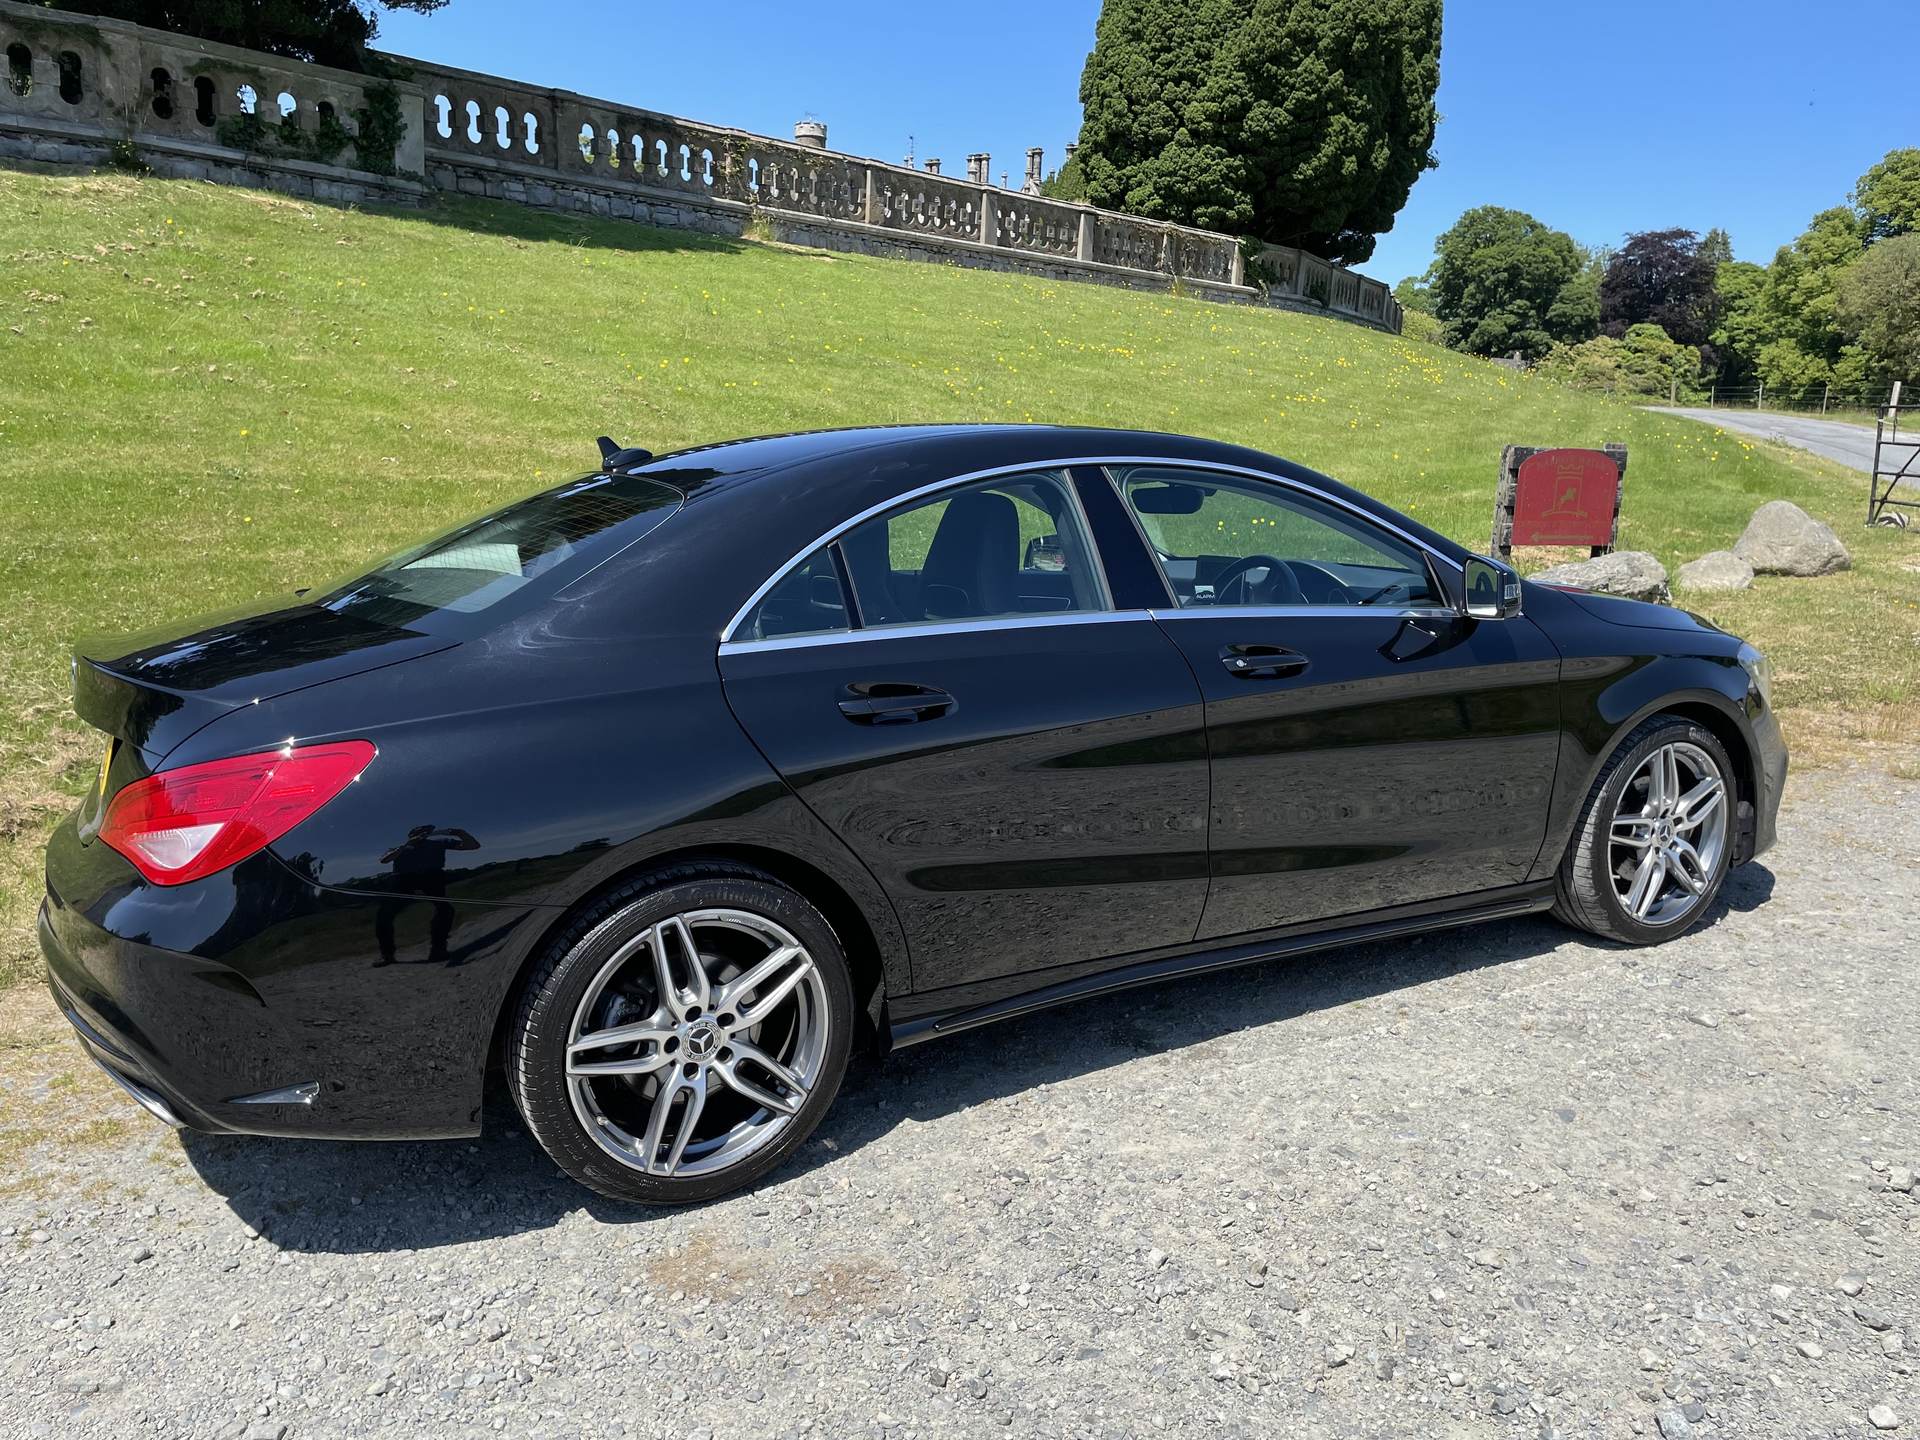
533 546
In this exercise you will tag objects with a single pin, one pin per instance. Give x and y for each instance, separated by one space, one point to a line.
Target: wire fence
1811 399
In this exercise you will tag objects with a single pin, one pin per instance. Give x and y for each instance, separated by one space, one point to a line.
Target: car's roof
753 505
869 465
734 461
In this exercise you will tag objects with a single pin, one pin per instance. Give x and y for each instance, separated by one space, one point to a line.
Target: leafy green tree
1877 304
1497 276
1415 293
1304 122
1419 325
1803 343
1716 247
1660 277
329 32
1574 315
1888 195
1741 327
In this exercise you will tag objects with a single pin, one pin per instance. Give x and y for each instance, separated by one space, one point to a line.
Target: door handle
1262 662
891 702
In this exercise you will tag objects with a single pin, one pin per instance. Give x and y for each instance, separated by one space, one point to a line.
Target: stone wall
73 87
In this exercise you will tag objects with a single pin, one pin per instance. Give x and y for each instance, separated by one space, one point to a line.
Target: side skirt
1500 904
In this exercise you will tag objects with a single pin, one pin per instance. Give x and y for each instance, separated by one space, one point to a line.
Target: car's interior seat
865 547
973 565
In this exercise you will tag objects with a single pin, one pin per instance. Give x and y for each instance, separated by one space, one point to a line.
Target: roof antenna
613 457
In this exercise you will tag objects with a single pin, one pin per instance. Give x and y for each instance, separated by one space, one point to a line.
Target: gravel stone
1881 1417
1872 1317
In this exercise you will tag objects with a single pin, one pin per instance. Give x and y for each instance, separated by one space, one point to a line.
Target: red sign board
1566 497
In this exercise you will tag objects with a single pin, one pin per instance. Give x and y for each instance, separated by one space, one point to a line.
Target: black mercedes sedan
664 788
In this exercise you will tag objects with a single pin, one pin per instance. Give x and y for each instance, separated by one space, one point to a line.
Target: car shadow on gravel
344 1198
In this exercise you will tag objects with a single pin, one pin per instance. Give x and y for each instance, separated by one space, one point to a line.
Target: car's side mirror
1044 553
1493 589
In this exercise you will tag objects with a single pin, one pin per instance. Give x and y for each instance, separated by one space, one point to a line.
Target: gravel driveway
1497 1183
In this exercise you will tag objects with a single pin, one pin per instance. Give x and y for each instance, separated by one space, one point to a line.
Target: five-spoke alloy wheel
686 1042
1669 828
1655 837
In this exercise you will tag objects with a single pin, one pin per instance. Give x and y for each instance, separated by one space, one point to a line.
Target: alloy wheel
1668 833
698 1042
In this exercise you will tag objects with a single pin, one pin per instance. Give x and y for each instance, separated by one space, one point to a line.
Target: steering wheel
1279 588
1319 585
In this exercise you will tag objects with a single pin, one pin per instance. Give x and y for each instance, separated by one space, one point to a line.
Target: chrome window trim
1064 464
931 627
1297 612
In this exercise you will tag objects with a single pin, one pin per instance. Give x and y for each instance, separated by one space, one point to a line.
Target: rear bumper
115 1045
256 1003
120 1067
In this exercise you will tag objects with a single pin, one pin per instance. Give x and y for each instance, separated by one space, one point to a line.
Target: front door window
1225 542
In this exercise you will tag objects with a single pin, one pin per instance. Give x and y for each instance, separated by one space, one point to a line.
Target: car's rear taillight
178 825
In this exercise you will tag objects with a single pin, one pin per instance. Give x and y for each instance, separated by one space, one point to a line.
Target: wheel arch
1704 689
844 913
1733 737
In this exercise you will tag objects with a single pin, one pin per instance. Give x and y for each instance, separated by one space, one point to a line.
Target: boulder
1716 570
1632 573
1782 539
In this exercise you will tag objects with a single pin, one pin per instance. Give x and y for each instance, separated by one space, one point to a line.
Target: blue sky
1599 118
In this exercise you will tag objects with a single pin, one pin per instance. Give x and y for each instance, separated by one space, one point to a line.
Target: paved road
1851 445
1496 1184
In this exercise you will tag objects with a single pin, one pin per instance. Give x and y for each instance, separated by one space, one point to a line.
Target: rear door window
1013 546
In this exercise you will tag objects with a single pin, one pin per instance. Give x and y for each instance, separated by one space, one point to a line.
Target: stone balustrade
75 87
72 86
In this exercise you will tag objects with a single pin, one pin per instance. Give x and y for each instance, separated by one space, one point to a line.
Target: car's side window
808 600
1011 546
1224 541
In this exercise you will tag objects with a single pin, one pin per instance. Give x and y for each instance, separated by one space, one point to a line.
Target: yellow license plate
106 763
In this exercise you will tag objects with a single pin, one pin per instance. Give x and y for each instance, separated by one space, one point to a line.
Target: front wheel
685 1038
1655 837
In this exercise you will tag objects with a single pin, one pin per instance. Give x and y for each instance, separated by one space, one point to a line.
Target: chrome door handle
1262 662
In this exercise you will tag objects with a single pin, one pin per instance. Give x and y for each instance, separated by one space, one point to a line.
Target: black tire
539 1036
1584 892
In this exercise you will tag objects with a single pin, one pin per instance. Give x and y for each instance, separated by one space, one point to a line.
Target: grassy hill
208 394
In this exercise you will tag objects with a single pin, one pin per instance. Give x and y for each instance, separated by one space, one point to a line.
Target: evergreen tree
1716 247
1303 122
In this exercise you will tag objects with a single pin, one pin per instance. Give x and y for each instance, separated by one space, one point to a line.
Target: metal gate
1895 458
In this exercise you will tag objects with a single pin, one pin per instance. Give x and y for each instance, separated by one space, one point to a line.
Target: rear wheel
1655 837
686 1038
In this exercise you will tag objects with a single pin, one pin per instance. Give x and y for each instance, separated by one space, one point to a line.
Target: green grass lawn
208 394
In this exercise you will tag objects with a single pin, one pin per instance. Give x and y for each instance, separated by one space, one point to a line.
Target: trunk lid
155 688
